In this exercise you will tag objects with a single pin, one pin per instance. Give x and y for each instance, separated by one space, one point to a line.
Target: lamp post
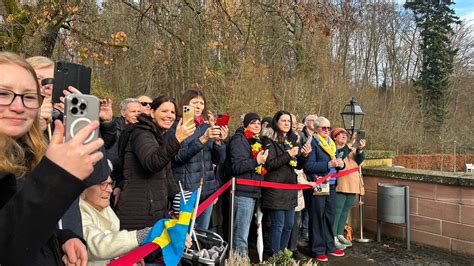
353 118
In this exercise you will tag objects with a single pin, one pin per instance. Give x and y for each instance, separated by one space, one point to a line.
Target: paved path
393 252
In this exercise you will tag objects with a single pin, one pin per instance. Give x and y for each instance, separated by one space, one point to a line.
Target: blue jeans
205 218
243 212
280 229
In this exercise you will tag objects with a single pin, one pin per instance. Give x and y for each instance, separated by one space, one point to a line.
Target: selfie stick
193 234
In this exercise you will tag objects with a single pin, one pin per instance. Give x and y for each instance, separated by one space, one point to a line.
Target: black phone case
70 74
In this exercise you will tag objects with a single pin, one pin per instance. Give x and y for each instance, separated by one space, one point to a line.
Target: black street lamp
352 117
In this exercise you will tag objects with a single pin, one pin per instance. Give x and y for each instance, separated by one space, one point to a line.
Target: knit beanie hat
337 131
177 200
249 117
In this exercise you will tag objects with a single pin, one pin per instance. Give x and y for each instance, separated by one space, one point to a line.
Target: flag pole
232 202
193 233
196 206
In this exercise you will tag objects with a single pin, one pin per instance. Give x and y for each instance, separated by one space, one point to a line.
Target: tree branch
157 23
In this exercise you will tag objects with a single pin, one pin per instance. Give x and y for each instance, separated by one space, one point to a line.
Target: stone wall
439 162
441 213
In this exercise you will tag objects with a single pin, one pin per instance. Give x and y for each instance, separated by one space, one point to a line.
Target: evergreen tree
434 18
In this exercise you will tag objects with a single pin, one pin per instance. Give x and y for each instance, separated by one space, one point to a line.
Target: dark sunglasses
145 103
325 128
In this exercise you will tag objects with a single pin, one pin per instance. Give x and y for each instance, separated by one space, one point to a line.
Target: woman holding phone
199 153
284 157
347 185
37 182
149 183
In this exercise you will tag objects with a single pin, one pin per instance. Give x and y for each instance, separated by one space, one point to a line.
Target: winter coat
351 183
196 160
149 185
279 170
28 218
243 165
318 162
102 232
112 153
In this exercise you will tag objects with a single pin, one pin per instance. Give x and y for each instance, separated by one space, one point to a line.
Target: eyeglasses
145 104
104 185
29 100
325 128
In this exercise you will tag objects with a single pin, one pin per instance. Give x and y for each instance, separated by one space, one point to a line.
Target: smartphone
79 111
188 113
70 74
360 135
222 120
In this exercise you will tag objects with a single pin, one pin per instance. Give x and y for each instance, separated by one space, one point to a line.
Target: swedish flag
170 234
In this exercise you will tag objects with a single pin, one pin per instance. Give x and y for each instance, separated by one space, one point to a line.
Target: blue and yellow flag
170 234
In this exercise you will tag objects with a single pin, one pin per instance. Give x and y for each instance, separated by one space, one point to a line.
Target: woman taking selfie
46 179
148 152
283 158
199 152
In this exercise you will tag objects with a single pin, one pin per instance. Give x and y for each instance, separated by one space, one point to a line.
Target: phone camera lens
82 106
74 101
74 110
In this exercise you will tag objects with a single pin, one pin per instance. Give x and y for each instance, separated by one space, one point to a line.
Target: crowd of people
74 203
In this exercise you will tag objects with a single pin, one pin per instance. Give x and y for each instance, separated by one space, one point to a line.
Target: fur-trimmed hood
271 134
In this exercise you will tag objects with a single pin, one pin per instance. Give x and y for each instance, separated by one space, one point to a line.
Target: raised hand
362 143
223 133
105 113
306 149
293 152
46 111
184 130
262 157
211 133
74 156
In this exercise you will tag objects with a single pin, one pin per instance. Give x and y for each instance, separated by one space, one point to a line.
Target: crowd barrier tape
135 255
139 253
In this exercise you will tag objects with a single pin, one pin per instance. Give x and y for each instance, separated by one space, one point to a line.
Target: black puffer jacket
150 185
243 165
279 170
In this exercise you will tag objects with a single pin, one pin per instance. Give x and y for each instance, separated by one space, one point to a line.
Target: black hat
267 119
249 117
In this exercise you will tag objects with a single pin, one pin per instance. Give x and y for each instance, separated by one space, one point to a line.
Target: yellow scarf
329 148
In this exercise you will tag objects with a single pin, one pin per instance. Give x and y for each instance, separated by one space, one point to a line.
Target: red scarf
199 120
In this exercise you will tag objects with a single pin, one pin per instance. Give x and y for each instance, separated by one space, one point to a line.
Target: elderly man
130 108
308 129
307 132
145 102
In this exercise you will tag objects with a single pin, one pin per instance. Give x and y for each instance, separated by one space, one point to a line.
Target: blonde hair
38 62
21 155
